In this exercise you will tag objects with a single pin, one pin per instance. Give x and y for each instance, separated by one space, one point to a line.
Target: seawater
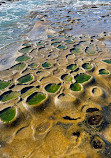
14 17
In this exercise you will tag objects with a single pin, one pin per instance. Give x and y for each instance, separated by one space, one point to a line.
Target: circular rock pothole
75 87
97 143
25 49
66 77
26 45
80 78
8 115
25 79
69 41
76 50
36 98
72 67
61 47
19 66
108 61
54 40
87 66
103 72
91 50
40 44
55 44
97 91
46 65
33 66
4 84
22 58
9 95
52 87
95 120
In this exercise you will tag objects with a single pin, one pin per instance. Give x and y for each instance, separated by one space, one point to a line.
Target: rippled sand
55 101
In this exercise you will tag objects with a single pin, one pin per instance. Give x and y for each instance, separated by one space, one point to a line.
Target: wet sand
55 100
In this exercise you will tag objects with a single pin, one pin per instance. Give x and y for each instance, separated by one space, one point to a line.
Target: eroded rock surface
55 101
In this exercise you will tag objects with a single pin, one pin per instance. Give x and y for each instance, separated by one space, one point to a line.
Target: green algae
55 44
7 114
33 66
46 65
69 41
36 98
9 95
55 40
61 47
76 50
52 88
80 78
107 61
4 84
26 45
87 66
22 58
75 87
103 72
72 67
18 66
25 79
40 44
25 49
66 77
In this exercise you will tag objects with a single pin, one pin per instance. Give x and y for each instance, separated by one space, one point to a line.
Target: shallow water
15 21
